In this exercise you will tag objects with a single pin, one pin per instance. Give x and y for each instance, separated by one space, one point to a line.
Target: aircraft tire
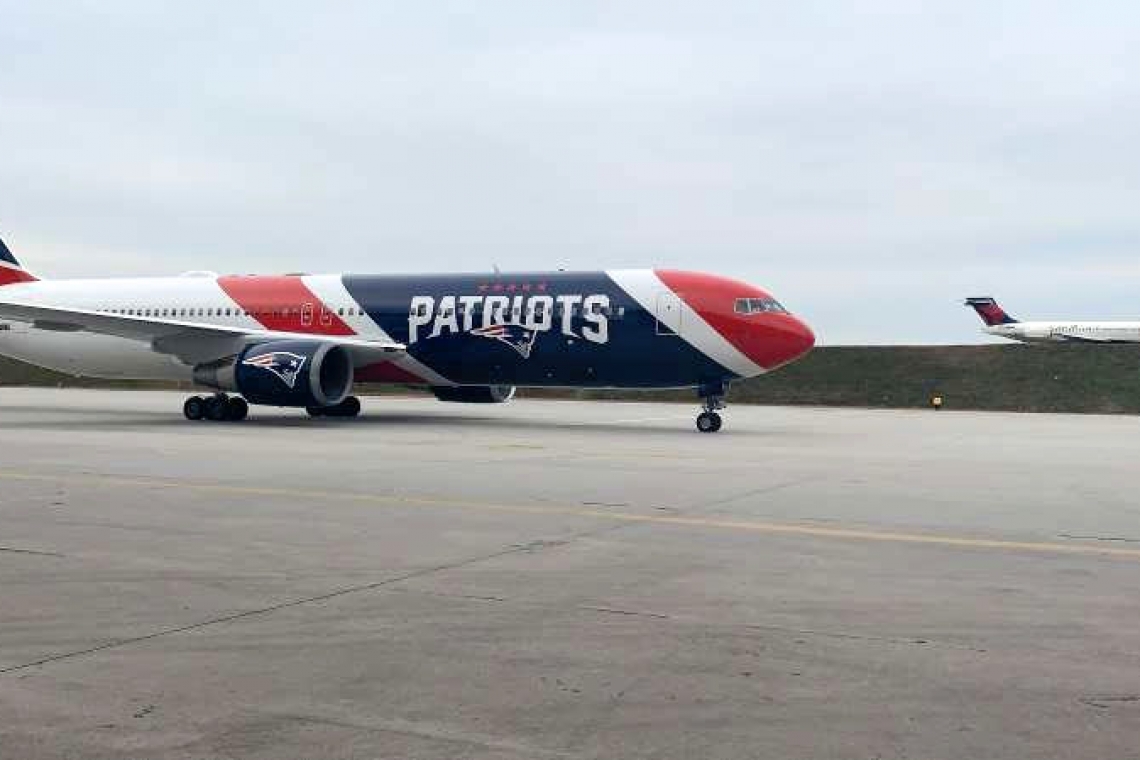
708 422
237 409
195 408
217 408
315 411
350 407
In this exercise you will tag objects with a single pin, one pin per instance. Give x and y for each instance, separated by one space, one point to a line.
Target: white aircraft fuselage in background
1001 325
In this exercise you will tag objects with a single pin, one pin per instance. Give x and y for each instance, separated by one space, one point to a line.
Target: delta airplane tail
990 312
10 269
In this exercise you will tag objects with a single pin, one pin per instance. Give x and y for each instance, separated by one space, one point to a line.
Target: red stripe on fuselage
285 304
11 276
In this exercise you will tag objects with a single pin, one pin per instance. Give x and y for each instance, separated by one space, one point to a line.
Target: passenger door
669 314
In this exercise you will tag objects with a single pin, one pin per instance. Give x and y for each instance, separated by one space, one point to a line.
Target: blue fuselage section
533 329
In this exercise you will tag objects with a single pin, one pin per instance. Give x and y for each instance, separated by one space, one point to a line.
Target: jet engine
475 394
284 373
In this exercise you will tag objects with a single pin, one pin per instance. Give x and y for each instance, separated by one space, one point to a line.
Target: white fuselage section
188 298
1068 332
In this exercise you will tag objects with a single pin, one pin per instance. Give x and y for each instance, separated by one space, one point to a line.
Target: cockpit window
759 306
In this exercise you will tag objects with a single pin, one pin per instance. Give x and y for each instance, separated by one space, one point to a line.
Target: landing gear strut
216 408
350 407
712 396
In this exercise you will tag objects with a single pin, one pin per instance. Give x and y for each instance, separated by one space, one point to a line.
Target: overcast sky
870 162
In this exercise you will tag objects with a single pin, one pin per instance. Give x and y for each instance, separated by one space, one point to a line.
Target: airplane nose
804 338
796 340
778 339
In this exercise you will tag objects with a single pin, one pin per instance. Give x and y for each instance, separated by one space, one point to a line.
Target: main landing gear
350 407
216 408
712 396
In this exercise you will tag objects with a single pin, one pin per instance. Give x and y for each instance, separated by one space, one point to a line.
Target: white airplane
303 340
1000 324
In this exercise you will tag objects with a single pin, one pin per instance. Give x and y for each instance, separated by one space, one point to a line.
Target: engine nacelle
284 373
475 394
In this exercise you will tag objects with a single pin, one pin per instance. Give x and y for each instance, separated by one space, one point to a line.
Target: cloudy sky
870 162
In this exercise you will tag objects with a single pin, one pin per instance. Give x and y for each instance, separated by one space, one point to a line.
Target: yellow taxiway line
715 523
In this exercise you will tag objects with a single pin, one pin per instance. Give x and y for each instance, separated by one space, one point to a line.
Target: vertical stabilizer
10 269
990 312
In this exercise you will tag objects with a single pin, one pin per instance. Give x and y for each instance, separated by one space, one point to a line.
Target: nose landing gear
709 422
712 396
216 408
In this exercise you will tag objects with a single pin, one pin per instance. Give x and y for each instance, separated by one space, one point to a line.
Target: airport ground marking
745 526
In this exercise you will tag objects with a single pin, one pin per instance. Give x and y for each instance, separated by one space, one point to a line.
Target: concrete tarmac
564 580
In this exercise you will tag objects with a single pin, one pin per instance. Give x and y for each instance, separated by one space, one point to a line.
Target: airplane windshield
759 306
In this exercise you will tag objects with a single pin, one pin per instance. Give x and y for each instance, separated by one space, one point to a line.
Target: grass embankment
1078 378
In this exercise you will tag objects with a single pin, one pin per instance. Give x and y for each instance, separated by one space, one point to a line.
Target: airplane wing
192 343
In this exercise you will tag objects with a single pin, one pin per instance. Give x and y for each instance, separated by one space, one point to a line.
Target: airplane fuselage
619 328
1068 332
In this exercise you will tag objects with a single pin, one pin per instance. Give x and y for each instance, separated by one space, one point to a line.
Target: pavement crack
753 492
32 552
627 613
1118 539
1107 702
862 637
687 620
262 611
518 549
439 732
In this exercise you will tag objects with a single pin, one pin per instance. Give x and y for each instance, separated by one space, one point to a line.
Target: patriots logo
285 365
519 338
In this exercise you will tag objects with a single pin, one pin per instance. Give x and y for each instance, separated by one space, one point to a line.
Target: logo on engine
287 366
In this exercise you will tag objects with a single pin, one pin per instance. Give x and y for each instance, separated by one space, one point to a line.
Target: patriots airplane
1002 325
303 340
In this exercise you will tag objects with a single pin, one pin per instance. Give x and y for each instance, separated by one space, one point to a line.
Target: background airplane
999 323
303 340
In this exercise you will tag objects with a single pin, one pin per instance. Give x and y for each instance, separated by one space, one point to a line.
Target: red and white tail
990 312
10 269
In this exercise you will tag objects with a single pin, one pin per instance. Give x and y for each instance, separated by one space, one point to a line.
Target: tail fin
10 269
990 312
